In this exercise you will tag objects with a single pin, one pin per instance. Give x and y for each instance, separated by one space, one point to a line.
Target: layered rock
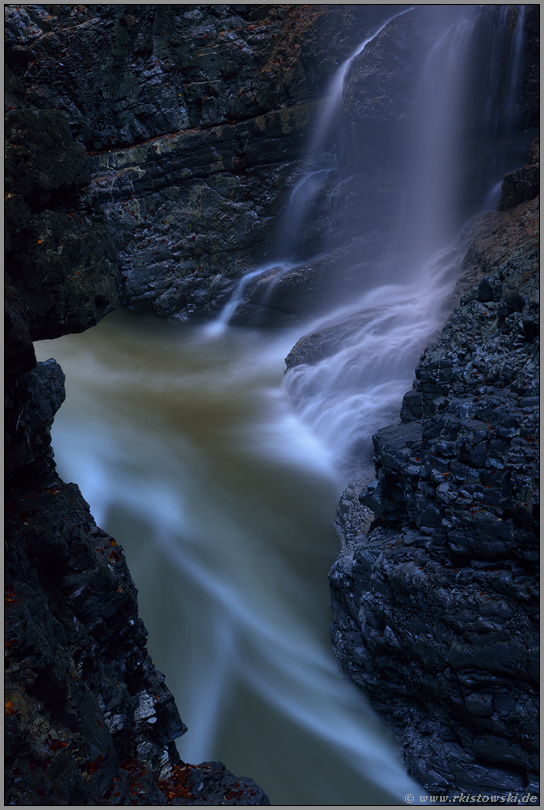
372 173
196 119
89 719
435 593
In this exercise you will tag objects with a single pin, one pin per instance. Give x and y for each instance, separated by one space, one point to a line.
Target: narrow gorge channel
190 455
273 217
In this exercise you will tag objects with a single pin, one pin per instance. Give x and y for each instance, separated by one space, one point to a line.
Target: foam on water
349 395
184 442
222 502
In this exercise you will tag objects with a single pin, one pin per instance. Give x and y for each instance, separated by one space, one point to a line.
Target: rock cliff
149 150
195 118
150 153
435 594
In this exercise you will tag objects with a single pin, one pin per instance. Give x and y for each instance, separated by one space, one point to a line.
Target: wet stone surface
436 603
196 121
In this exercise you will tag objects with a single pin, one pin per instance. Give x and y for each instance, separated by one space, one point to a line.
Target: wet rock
493 238
434 603
323 342
196 119
60 264
189 213
524 183
210 784
283 296
75 656
89 719
29 412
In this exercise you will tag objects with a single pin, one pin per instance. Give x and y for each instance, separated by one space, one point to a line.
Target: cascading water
307 189
309 186
184 441
190 456
349 394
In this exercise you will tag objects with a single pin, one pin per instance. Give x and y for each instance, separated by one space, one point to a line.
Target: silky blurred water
186 443
189 453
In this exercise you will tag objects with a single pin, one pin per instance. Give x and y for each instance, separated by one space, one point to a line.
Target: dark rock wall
150 152
435 594
196 118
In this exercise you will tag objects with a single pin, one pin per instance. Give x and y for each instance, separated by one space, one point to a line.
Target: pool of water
185 445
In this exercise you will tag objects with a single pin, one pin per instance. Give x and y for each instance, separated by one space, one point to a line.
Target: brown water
189 453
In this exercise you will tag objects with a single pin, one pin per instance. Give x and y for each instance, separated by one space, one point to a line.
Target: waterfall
307 188
349 394
184 441
217 326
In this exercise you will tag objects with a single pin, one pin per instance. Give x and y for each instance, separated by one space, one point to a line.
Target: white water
307 188
217 326
189 453
348 396
185 444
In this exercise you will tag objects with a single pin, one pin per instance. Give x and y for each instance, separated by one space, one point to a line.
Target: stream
221 480
189 453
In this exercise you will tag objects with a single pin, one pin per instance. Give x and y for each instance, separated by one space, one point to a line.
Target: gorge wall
151 153
145 145
435 594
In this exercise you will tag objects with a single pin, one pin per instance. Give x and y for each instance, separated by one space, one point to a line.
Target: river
184 440
189 453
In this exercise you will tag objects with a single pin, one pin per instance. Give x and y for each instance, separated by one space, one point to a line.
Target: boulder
284 295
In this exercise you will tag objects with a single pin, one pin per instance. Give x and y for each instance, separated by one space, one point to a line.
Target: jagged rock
210 784
284 296
77 667
524 183
434 604
124 74
31 405
89 719
497 235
